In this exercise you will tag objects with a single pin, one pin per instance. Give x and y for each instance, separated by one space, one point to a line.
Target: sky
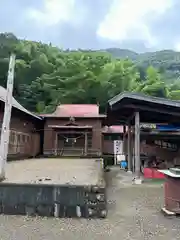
139 25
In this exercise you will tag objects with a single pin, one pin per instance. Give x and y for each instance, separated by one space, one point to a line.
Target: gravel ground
134 213
57 171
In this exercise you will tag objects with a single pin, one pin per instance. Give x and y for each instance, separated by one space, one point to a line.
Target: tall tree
47 76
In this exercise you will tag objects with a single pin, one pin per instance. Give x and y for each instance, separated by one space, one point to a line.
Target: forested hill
166 61
46 76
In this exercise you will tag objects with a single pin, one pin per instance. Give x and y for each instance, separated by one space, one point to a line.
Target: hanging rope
73 138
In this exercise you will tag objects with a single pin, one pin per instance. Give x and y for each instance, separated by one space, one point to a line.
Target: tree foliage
46 76
166 61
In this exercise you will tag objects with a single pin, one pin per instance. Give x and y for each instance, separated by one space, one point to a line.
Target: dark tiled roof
145 98
123 106
15 104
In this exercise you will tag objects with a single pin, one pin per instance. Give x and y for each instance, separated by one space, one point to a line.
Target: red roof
113 129
75 110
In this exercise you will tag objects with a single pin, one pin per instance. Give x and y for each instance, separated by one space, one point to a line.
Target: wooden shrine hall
73 130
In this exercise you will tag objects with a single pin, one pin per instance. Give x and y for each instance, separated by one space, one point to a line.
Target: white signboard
147 125
118 150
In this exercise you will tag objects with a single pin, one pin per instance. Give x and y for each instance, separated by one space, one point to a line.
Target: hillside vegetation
167 62
46 76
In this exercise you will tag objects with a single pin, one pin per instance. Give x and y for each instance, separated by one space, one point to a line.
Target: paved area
134 213
55 171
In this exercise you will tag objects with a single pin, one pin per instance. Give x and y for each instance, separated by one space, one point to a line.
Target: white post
4 142
115 154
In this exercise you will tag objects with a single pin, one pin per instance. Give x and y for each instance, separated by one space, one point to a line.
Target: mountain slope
166 61
122 53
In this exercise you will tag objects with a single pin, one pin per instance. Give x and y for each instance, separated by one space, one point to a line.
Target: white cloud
53 13
130 19
177 46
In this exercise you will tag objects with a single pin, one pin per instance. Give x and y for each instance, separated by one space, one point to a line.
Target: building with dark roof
24 129
132 109
79 129
73 129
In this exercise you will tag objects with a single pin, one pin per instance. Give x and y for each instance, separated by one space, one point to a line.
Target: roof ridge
145 97
15 103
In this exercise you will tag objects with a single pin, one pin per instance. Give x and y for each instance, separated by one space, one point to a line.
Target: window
11 138
18 138
166 145
107 137
28 138
18 142
112 137
89 139
115 137
23 138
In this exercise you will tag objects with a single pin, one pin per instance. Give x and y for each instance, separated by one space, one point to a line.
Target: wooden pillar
124 140
56 144
132 150
97 137
129 157
48 141
85 143
133 154
137 145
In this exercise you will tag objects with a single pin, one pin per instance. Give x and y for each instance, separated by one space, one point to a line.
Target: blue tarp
167 128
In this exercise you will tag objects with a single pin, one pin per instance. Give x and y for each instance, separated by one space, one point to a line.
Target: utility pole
5 130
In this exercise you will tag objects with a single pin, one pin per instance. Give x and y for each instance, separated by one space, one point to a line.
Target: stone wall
52 200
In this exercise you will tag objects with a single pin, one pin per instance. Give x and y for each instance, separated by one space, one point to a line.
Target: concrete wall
53 200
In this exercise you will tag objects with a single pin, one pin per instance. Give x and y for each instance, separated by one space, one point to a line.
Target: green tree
153 84
46 76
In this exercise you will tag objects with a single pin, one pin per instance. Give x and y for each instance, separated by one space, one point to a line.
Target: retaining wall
53 200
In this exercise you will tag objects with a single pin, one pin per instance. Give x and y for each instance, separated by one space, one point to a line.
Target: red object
153 173
114 129
147 173
76 110
158 175
172 194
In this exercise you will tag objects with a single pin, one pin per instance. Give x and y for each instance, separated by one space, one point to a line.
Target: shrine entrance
73 142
